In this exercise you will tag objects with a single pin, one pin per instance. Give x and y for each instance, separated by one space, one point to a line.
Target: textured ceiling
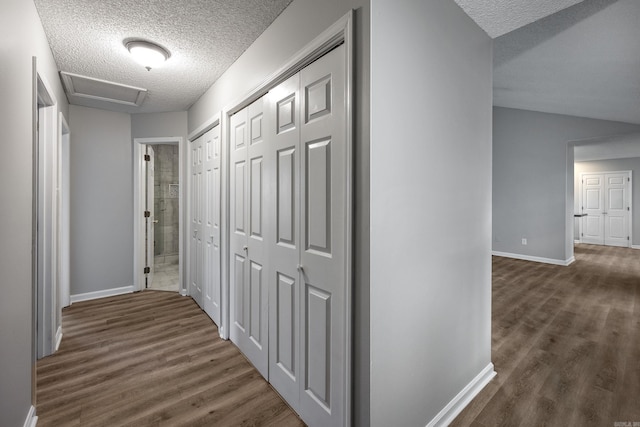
582 61
204 36
498 17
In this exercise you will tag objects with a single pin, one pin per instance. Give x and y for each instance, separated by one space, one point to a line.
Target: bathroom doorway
162 233
158 229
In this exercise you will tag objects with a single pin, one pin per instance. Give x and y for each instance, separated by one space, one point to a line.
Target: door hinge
628 238
628 208
147 270
147 214
628 179
147 158
582 234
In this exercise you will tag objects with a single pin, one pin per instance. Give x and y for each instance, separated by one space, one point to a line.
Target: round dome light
148 54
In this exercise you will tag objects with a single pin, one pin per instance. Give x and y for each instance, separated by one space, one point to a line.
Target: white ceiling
204 36
572 57
582 61
498 17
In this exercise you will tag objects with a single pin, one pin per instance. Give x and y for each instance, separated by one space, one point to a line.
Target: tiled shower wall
166 199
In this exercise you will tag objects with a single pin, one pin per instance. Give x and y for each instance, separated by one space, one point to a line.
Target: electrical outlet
524 241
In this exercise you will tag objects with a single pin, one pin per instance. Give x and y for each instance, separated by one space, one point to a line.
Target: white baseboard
101 294
58 337
466 395
577 242
32 418
635 246
535 258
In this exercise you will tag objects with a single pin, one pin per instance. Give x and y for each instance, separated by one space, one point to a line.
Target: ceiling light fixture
146 53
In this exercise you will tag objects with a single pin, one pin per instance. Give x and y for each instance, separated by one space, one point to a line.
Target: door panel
249 189
616 228
211 224
283 130
238 237
195 211
593 206
322 258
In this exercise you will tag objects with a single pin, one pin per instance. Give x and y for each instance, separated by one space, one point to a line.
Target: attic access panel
80 87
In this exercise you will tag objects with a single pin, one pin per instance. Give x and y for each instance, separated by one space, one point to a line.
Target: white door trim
630 192
339 33
138 208
45 226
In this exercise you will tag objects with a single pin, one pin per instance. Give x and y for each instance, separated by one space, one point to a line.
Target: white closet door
238 234
211 224
250 162
259 167
323 215
195 213
283 121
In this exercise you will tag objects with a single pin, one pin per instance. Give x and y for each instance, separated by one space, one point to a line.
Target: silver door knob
245 248
155 221
300 268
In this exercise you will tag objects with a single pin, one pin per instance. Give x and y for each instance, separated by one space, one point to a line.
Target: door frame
139 191
630 200
64 222
45 225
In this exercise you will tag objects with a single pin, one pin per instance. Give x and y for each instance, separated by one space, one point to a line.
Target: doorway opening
158 214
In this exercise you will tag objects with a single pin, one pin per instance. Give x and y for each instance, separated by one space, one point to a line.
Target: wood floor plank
565 342
149 359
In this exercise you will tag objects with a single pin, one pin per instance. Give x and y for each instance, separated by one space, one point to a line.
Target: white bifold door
289 218
606 203
250 161
205 254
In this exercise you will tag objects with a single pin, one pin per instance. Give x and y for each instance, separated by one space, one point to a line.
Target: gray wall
101 200
159 125
533 176
21 38
431 91
296 26
632 164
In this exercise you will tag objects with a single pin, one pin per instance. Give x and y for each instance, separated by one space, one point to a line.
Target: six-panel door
249 189
211 286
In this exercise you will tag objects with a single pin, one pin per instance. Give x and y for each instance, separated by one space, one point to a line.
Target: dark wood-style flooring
151 359
565 343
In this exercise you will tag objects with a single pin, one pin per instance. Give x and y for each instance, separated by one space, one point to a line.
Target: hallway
150 359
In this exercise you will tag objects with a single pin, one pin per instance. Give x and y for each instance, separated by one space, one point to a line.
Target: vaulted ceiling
560 56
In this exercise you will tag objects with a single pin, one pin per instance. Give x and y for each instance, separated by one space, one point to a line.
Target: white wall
296 26
629 164
533 179
101 200
431 93
21 38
